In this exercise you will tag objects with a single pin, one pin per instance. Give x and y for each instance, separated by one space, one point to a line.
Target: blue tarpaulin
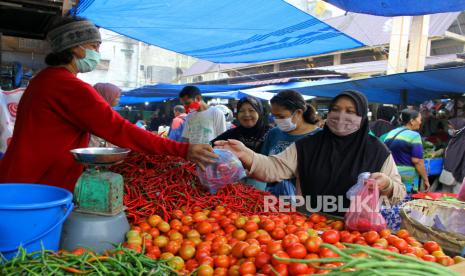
419 86
399 7
226 31
249 92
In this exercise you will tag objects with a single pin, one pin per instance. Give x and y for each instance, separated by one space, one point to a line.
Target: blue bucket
32 215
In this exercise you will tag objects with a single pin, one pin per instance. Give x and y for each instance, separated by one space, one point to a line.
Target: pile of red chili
160 184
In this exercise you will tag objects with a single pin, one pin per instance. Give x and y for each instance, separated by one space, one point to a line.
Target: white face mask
286 124
451 132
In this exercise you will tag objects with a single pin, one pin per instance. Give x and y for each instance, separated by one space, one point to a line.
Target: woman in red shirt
58 112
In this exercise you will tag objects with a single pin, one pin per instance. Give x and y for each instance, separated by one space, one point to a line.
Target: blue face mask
89 62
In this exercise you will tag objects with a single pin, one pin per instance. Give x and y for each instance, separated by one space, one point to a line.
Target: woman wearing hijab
252 127
329 162
386 116
110 93
454 157
58 112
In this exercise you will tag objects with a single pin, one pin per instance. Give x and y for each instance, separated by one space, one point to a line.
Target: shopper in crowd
177 125
228 115
295 119
252 128
386 118
454 158
203 123
329 162
406 146
111 94
58 112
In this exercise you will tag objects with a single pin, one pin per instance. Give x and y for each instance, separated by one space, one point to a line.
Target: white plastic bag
354 190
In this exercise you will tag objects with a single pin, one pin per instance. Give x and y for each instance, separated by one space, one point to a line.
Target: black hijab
251 137
455 151
386 117
329 164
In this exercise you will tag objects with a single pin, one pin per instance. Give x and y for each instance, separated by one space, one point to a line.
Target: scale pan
100 156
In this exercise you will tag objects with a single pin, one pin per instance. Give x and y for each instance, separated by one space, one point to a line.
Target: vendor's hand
426 185
201 154
239 149
382 180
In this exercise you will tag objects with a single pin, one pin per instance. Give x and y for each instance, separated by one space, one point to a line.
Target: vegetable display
161 184
221 241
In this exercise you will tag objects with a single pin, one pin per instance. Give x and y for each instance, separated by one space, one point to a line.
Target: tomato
327 253
166 256
409 249
280 254
208 261
392 249
220 271
315 218
205 270
385 233
135 240
172 247
234 270
262 259
187 252
191 264
297 251
371 236
401 244
290 229
281 269
239 234
297 268
199 216
252 235
224 249
204 227
391 239
458 259
164 226
278 233
251 250
268 225
161 241
154 220
267 269
229 228
382 242
177 263
337 225
176 236
154 232
240 221
201 254
247 268
431 246
360 240
348 238
238 249
289 240
250 226
176 224
438 253
274 247
331 236
222 261
429 258
403 234
264 238
302 235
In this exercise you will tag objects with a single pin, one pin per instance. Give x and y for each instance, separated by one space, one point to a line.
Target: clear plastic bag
227 170
364 214
354 190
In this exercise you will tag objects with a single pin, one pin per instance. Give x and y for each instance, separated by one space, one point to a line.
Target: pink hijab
108 91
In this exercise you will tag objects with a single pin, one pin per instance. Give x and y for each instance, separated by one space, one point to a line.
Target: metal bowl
100 156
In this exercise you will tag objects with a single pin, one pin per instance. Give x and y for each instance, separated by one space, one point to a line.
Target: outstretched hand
201 154
237 148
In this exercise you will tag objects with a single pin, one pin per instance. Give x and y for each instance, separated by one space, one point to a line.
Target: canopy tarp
399 7
226 31
172 90
243 93
419 86
128 100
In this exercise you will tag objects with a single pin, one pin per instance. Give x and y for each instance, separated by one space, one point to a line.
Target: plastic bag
363 214
227 170
354 190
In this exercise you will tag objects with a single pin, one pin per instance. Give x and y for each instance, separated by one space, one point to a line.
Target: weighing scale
98 220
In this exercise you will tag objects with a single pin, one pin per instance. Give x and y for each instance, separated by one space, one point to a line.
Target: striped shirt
405 146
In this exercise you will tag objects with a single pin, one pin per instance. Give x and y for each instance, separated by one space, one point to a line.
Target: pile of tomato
223 242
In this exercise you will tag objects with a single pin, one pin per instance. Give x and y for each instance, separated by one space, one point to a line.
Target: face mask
285 125
193 106
343 124
89 62
451 132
